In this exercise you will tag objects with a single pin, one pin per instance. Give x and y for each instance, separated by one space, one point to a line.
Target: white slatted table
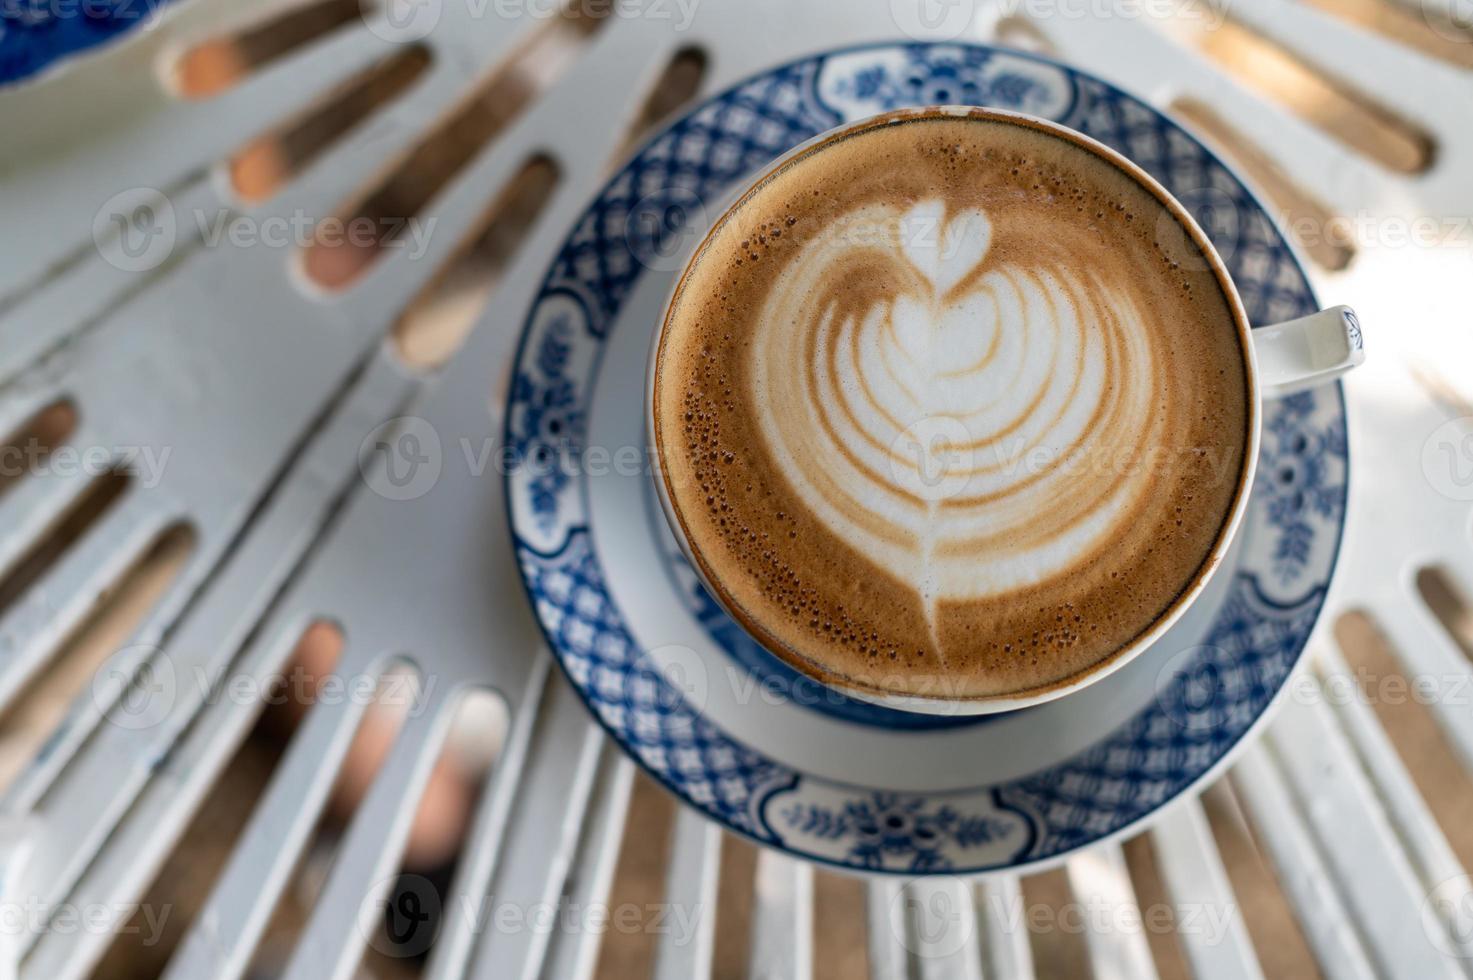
264 391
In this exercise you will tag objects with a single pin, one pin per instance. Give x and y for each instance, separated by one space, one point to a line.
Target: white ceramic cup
1281 359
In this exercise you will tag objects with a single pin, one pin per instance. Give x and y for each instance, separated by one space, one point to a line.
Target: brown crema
952 406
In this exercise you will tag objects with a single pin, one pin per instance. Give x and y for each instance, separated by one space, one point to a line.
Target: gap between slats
209 67
1333 103
398 197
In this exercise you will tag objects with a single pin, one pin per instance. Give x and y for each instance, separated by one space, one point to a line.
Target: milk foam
934 429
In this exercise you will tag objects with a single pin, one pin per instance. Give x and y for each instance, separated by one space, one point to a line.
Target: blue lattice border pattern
696 159
1291 534
1192 724
648 716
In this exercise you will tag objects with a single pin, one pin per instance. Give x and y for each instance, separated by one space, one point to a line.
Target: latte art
907 420
934 403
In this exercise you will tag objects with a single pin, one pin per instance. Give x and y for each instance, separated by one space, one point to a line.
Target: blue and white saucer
36 35
736 734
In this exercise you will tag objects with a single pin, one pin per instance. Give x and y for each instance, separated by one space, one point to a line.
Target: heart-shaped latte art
973 426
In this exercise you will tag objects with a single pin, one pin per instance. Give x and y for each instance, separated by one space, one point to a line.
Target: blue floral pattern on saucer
885 828
1290 538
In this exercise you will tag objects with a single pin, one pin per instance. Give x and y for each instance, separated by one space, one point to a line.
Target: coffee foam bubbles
913 401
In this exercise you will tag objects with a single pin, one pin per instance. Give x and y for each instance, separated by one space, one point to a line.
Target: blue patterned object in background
1290 537
35 34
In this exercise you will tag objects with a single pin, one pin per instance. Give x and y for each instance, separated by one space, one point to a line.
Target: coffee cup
957 410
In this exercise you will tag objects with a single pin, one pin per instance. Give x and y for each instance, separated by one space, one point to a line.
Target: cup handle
1299 354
